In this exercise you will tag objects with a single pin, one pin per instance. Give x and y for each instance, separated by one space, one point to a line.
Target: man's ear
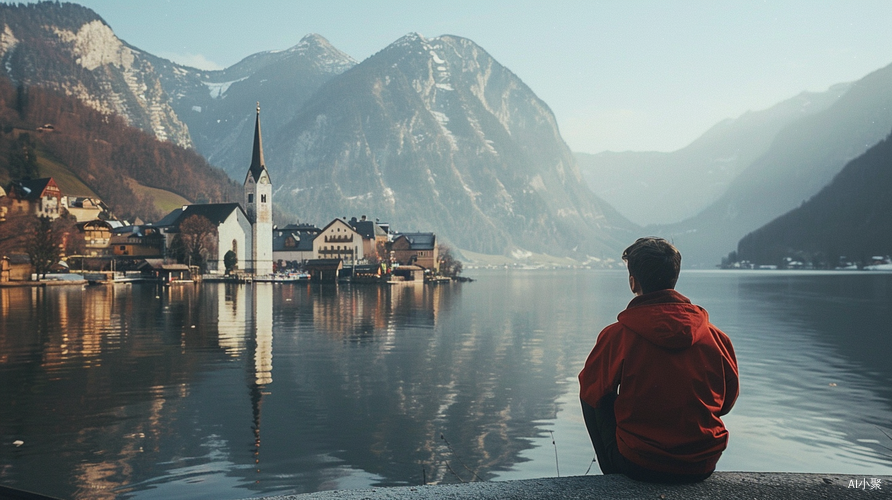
633 284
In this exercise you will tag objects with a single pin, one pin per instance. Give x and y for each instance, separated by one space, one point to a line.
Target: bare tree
198 237
14 230
43 245
449 265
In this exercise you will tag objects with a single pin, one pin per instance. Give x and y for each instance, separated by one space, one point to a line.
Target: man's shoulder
611 331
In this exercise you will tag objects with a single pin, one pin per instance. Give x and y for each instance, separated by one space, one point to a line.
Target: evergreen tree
230 260
23 159
21 100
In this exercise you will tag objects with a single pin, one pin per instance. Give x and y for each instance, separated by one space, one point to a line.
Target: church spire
257 163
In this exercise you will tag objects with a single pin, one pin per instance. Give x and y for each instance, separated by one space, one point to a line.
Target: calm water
222 391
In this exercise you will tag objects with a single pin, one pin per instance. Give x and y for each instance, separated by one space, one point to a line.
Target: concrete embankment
722 485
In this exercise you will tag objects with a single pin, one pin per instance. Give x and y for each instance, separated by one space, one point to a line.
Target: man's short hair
654 263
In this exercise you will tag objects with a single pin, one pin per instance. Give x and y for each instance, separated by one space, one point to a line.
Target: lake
237 391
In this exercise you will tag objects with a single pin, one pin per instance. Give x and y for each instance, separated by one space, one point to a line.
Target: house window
263 198
250 197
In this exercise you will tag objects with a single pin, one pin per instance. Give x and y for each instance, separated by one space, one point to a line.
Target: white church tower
259 207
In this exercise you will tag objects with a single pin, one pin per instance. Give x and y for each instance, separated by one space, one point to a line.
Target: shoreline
748 485
41 284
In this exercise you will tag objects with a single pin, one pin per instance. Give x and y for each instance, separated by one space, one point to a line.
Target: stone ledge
742 485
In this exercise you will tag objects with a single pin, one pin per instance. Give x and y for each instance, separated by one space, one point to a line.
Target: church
246 230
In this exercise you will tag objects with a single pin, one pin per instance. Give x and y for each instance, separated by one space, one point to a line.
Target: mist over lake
234 391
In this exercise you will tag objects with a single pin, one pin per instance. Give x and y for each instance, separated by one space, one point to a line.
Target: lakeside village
219 242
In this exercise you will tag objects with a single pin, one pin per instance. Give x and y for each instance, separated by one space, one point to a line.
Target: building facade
338 240
418 249
40 197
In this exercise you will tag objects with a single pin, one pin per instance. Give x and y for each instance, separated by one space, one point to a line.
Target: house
374 238
15 267
40 197
84 208
409 273
324 270
419 249
3 205
168 273
137 241
97 235
233 230
293 244
338 240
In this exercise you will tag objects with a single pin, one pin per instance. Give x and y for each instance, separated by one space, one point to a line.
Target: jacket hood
666 318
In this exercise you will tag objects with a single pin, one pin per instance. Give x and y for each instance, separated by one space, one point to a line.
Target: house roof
419 241
214 212
368 229
304 240
302 227
111 225
136 231
29 189
335 221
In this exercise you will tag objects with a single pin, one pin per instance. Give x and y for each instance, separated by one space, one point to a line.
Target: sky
618 75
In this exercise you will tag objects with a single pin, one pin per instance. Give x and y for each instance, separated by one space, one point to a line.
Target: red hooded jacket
676 374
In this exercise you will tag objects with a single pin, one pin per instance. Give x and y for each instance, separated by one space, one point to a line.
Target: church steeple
257 163
259 207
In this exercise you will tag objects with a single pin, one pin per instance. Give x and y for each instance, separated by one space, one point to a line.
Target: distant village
220 241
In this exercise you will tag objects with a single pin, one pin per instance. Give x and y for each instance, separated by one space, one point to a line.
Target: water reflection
228 391
143 391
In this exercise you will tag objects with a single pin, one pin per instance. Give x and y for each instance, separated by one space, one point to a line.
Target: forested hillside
851 217
103 153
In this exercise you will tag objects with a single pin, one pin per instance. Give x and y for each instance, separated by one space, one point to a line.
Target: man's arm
732 376
601 374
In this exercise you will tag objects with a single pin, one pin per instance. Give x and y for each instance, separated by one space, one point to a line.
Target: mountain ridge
71 49
438 116
848 218
464 148
802 159
680 184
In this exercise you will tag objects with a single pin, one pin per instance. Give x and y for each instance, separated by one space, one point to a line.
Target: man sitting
657 382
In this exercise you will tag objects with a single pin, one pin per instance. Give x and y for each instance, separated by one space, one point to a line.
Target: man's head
653 265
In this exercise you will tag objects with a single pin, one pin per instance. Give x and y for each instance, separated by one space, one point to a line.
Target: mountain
437 135
218 106
851 217
803 158
70 49
663 188
93 154
431 135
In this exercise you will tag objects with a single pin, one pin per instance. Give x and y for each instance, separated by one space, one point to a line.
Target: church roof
217 213
258 165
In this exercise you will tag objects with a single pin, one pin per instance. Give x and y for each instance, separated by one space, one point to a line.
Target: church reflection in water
124 389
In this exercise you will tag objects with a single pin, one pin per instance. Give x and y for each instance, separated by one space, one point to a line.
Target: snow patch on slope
218 89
